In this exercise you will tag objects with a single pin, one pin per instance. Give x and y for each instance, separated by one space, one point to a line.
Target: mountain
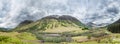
3 29
118 21
53 23
115 27
25 22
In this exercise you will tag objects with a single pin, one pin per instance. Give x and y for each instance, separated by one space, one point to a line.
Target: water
12 12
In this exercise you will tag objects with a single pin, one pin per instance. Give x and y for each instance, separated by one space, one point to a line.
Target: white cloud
84 10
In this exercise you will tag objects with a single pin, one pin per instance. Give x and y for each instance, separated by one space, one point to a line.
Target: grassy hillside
17 38
54 24
115 27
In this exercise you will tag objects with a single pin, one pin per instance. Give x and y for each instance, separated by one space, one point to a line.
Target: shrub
27 36
10 40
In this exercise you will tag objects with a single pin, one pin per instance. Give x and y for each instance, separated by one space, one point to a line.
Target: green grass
17 38
62 29
29 38
77 38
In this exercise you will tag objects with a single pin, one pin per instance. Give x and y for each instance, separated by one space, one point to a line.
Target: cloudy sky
12 12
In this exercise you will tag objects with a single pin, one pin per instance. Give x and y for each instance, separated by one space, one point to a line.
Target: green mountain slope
25 22
115 27
53 23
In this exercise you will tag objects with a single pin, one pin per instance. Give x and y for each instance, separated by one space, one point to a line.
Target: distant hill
25 22
53 22
3 29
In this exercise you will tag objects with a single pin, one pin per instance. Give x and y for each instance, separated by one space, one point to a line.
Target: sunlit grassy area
17 38
63 29
79 38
